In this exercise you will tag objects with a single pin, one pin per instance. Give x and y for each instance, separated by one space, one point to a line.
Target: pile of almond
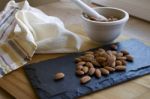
101 62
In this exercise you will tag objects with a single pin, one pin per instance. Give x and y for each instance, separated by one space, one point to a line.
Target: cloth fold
25 30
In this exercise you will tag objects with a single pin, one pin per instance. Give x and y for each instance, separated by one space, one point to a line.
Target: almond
91 71
110 60
59 76
125 52
89 55
109 69
101 50
94 62
109 52
114 53
121 58
124 62
118 62
101 59
114 47
113 64
104 71
87 58
81 63
79 67
79 72
85 69
89 64
85 79
120 68
129 58
78 60
119 54
98 73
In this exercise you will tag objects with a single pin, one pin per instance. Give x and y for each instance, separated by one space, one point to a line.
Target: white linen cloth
25 30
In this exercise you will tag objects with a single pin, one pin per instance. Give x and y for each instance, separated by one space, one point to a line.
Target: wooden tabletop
16 85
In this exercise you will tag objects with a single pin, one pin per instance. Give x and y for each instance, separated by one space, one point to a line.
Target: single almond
78 60
124 62
98 73
119 54
101 50
129 58
87 58
118 62
94 62
109 52
79 67
109 68
89 64
113 64
80 72
104 71
114 53
110 60
81 63
100 59
85 79
85 69
91 71
121 58
89 55
125 52
120 68
114 47
59 76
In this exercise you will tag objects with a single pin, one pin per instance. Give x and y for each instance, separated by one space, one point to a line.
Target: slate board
41 74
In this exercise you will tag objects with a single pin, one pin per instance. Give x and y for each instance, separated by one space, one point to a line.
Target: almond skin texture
104 71
120 68
119 54
79 67
129 58
91 71
109 69
122 58
114 47
80 72
124 62
78 60
118 62
89 64
81 63
113 64
95 63
85 69
125 52
85 79
98 73
59 76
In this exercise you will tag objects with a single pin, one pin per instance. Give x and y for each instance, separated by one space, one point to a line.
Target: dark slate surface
41 74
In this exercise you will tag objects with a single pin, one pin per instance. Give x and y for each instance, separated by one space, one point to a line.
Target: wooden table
16 85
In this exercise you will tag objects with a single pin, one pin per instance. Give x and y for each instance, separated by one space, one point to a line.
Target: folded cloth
37 33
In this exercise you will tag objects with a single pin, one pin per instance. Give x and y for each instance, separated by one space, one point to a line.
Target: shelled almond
85 79
101 62
59 76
